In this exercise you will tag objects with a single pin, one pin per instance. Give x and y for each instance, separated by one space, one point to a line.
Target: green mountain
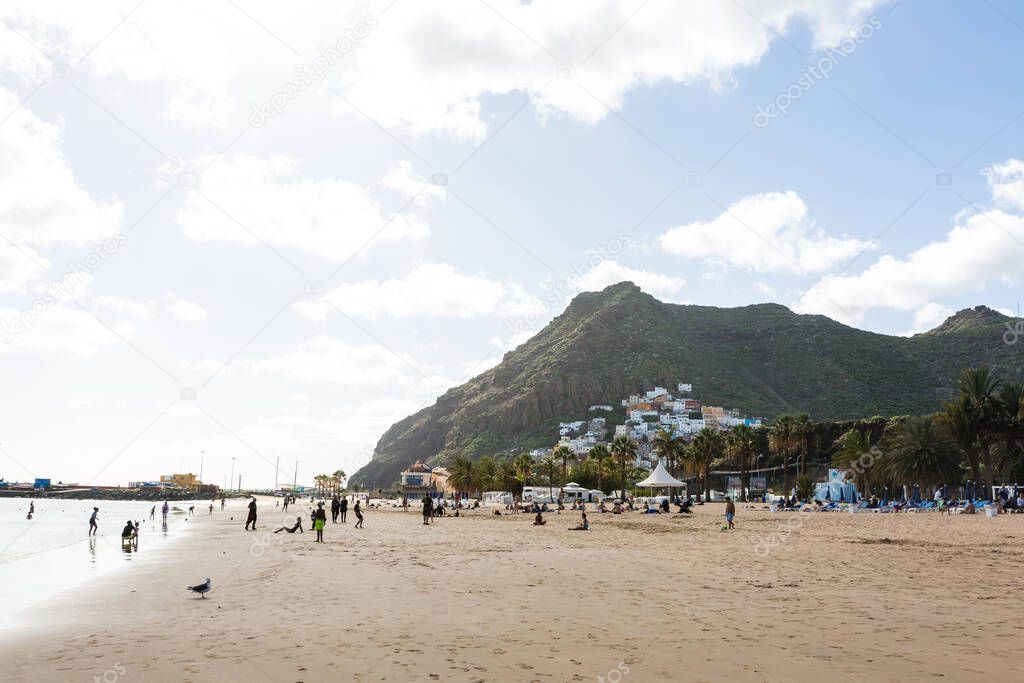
764 360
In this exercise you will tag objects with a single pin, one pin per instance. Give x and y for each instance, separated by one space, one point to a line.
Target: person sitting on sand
497 512
617 510
664 506
583 526
601 507
539 519
969 510
292 529
684 507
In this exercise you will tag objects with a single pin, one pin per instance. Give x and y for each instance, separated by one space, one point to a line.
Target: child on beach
93 527
359 516
583 526
319 519
730 512
539 520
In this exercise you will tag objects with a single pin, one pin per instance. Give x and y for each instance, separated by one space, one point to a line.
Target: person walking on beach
211 508
191 510
359 516
335 509
223 501
93 527
251 519
343 509
285 507
730 512
428 508
405 503
319 520
165 509
152 512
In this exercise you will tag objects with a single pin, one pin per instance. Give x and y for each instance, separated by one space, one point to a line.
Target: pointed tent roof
660 477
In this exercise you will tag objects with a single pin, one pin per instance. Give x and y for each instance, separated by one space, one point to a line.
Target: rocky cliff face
763 359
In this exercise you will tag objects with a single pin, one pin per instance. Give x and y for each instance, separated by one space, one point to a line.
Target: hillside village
645 415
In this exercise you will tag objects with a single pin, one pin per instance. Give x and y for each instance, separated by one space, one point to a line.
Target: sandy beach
786 596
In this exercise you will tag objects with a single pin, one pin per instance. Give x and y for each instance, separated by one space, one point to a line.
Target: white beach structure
660 478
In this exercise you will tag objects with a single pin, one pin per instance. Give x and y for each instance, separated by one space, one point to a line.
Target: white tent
660 478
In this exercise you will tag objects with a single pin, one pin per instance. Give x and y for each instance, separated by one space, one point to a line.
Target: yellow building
185 481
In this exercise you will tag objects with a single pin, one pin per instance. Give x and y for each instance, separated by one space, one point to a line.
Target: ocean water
52 552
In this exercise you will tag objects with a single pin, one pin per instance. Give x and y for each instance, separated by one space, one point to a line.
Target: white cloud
979 249
331 361
184 310
427 67
18 266
181 309
764 233
1006 181
928 317
55 330
429 289
424 68
403 179
664 287
246 199
41 204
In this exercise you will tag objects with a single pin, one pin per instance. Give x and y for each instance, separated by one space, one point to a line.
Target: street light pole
231 480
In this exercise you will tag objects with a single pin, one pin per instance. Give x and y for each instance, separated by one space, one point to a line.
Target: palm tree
524 466
549 465
1010 421
563 453
956 416
507 474
780 440
668 447
339 477
741 444
855 456
801 427
978 386
600 455
922 451
486 474
623 449
462 475
707 448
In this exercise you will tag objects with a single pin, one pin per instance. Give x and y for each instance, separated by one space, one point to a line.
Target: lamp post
231 479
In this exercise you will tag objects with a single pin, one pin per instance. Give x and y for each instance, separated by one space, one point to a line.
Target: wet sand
784 597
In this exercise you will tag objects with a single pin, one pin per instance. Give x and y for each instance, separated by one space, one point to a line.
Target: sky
244 239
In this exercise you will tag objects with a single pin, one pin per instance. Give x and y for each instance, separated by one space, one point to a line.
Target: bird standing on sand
201 588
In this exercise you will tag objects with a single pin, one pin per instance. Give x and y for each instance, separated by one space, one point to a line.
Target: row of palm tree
980 433
978 436
329 484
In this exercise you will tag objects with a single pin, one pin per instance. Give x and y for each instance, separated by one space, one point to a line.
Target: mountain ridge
761 358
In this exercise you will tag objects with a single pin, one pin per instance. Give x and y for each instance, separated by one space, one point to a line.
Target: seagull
201 588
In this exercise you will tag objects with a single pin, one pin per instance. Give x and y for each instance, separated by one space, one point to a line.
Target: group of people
317 516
